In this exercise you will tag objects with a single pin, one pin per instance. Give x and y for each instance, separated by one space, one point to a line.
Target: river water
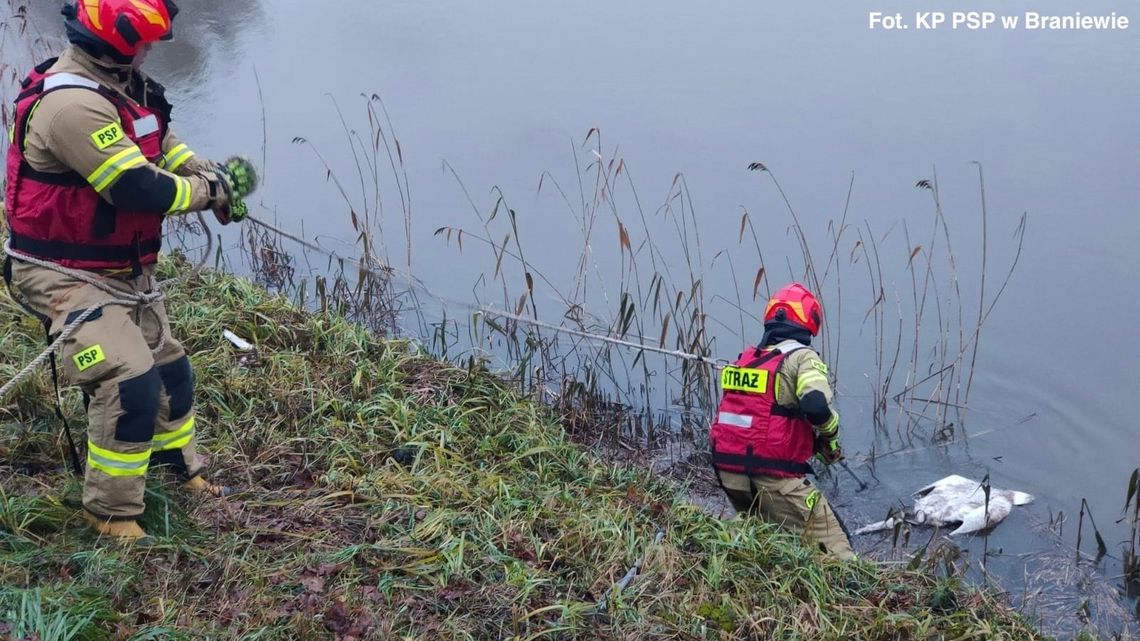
503 91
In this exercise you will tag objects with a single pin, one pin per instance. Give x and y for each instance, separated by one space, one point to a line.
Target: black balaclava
776 331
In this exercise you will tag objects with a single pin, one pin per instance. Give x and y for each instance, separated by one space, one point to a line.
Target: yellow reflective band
92 7
181 196
179 188
176 157
107 136
27 121
12 133
175 440
114 167
811 499
187 196
828 428
89 357
744 379
152 16
117 463
808 379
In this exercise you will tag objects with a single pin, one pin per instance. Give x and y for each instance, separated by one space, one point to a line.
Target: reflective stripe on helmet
123 25
795 305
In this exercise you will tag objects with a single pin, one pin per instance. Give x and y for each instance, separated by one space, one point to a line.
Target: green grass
496 527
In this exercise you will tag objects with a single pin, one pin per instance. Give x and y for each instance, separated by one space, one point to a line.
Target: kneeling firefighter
93 170
774 415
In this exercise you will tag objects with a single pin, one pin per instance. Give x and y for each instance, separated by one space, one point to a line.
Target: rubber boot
126 531
200 485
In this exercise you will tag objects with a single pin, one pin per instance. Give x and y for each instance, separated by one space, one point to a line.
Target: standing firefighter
93 170
776 414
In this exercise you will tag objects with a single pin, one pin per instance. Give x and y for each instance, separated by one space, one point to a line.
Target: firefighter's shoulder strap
783 349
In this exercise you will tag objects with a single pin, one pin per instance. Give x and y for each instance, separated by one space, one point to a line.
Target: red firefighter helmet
795 305
124 25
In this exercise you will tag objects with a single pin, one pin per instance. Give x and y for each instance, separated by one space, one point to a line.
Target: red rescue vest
59 216
751 434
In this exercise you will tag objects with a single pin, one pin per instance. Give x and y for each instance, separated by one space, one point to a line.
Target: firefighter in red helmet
92 172
774 416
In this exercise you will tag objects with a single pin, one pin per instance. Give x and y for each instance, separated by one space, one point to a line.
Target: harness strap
42 87
60 179
753 463
720 481
58 250
777 409
46 86
764 358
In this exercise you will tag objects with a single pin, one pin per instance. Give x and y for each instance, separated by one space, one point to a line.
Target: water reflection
497 88
209 34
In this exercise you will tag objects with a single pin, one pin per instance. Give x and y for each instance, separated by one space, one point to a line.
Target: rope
481 309
617 588
317 248
140 300
598 337
55 346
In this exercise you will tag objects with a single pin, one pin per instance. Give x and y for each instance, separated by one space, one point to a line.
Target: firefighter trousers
792 503
140 404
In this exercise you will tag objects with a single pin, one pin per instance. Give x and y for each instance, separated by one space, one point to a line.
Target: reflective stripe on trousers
175 440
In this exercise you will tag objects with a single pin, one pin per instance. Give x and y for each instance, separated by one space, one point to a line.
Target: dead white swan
956 499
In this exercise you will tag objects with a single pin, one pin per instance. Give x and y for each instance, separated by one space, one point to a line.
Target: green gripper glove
238 210
237 178
240 177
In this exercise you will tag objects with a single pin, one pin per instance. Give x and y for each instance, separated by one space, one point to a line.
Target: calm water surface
505 90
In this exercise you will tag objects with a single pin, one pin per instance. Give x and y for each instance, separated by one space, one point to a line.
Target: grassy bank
385 495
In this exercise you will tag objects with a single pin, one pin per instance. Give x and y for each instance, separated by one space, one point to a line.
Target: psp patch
819 367
107 136
89 357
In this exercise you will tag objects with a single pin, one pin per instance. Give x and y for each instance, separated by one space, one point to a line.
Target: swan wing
981 518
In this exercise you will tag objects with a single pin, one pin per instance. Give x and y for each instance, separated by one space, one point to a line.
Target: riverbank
383 494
